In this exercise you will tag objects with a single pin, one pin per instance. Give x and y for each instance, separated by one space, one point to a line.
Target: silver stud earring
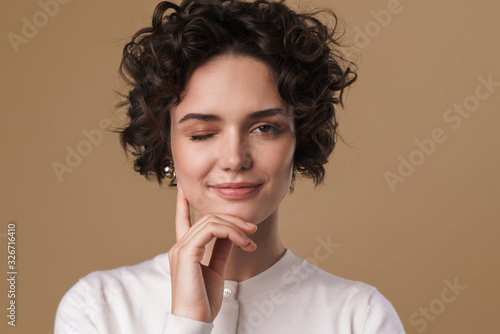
168 170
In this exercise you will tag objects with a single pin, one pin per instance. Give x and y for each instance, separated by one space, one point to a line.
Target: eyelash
201 137
204 137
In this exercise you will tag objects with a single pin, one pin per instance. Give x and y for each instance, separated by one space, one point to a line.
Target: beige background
441 223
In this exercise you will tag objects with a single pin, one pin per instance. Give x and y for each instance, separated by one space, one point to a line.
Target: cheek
190 166
280 161
190 175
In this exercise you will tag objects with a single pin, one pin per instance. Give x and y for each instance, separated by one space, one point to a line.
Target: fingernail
250 224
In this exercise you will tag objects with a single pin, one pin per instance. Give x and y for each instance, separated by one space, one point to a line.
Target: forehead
230 84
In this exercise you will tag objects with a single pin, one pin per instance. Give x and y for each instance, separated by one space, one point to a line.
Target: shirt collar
264 283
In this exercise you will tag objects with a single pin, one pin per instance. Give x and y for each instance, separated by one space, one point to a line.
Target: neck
243 265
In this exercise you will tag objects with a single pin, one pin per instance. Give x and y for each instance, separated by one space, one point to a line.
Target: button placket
230 290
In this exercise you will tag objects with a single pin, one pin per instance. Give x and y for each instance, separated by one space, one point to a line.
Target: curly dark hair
304 53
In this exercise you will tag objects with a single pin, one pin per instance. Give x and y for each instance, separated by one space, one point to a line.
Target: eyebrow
213 117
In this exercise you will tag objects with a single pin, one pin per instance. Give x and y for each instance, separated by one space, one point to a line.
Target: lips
236 190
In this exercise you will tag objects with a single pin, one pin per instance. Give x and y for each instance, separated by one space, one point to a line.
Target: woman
229 99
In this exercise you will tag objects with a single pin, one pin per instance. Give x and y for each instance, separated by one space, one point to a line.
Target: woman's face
232 140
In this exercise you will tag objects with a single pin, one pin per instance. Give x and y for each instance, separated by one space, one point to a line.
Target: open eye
266 128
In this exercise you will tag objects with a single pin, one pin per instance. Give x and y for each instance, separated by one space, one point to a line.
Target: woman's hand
197 290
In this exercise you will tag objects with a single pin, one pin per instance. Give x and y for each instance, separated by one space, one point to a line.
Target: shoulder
319 282
355 301
124 278
122 287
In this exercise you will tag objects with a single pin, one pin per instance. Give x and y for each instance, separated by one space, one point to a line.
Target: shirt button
227 292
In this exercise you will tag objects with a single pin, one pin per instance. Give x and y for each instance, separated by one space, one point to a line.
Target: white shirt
292 296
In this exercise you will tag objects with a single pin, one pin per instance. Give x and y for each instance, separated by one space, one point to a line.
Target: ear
167 155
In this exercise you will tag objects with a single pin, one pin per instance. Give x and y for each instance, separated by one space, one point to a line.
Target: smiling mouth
236 190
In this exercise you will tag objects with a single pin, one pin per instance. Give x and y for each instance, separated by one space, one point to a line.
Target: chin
249 215
243 211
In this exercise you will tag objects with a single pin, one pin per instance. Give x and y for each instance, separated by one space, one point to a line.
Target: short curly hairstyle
304 54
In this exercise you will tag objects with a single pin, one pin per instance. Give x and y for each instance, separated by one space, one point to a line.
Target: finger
220 254
182 216
246 227
232 222
200 238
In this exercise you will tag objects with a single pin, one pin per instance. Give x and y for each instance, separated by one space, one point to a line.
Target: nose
234 153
